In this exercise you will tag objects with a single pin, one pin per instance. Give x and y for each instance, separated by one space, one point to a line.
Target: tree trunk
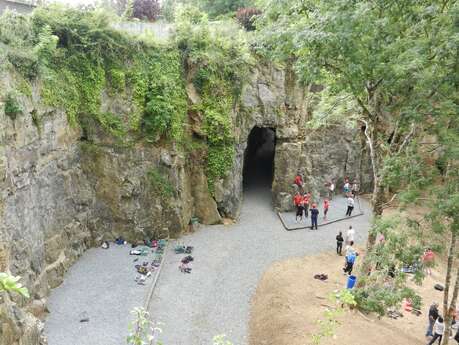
448 311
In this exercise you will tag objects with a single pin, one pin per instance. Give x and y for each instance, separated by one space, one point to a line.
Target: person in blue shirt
314 216
350 260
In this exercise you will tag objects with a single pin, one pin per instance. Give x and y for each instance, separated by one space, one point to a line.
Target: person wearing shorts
326 206
306 198
298 201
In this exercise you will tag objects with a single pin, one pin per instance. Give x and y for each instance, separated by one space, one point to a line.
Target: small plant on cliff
221 340
160 184
9 283
12 107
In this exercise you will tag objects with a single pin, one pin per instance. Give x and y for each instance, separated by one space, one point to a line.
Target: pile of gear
184 266
146 268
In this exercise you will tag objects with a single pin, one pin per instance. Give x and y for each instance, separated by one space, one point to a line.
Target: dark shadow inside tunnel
259 158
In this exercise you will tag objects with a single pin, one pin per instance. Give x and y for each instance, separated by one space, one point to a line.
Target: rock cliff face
62 191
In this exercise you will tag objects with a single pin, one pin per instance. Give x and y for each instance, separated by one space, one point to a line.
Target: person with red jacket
298 182
326 206
298 201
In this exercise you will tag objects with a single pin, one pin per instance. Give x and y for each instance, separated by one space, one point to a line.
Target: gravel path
101 285
229 261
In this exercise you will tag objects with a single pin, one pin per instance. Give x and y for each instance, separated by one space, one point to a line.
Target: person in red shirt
298 181
298 201
306 199
326 206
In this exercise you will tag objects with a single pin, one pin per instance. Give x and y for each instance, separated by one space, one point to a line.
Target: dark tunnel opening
259 158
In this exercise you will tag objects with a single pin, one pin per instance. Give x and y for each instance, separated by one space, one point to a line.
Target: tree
246 17
221 7
146 9
394 59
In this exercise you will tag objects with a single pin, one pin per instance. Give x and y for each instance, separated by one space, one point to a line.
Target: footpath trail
229 261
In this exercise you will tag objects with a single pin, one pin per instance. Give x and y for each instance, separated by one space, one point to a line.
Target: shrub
12 107
246 17
160 184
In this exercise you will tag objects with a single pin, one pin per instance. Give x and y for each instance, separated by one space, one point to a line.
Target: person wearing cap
314 216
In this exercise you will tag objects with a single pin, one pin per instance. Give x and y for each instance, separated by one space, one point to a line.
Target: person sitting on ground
298 182
350 206
438 329
314 216
298 201
326 206
339 243
350 235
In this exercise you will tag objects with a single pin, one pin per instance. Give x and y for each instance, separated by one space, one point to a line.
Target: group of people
350 253
436 326
304 204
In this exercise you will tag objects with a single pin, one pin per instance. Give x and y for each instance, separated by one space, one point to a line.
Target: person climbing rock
350 206
433 316
438 330
326 206
331 190
314 216
298 182
339 243
298 201
306 199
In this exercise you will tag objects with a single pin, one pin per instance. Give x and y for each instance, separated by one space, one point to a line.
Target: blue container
351 282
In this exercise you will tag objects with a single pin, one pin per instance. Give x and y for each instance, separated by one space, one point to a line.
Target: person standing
433 316
428 260
350 260
350 206
298 201
346 187
339 243
331 190
350 235
326 206
314 216
438 329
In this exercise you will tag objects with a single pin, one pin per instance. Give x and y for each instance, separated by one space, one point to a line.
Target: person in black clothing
339 243
314 216
433 316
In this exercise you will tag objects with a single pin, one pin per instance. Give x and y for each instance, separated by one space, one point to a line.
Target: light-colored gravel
101 284
229 261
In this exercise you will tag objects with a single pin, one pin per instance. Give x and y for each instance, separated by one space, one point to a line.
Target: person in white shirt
439 329
350 235
331 190
350 206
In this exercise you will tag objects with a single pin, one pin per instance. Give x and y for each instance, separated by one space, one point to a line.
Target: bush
246 17
12 107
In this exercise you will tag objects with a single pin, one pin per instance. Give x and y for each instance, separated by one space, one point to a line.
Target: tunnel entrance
259 158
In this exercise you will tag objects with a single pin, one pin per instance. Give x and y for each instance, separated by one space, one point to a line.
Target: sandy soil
289 301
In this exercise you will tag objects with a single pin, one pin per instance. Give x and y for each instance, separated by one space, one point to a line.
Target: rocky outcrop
63 191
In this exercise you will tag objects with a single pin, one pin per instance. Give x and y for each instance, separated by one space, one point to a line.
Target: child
326 206
306 198
439 329
339 243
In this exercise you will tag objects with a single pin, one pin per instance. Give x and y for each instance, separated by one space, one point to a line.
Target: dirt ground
289 301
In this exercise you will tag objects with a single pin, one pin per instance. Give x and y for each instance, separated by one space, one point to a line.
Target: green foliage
12 106
221 61
141 330
160 184
9 283
221 340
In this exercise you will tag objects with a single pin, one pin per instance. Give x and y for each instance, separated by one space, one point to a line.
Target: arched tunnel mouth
259 158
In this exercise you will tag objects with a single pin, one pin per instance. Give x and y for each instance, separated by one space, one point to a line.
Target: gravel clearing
229 261
101 285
